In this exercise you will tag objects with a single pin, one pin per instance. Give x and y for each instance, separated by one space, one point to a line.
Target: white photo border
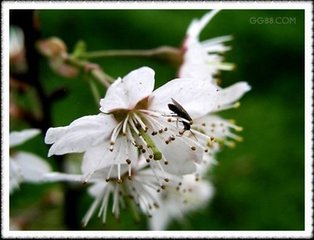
308 9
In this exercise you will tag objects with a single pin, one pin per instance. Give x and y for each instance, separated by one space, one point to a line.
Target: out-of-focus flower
218 128
56 51
24 166
52 47
203 60
17 50
136 118
176 202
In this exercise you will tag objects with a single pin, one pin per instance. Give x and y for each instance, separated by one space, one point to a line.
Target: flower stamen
115 134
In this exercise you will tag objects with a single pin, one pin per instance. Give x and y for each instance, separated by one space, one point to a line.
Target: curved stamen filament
156 175
131 121
130 136
115 134
91 210
109 173
143 195
162 170
152 113
125 123
103 207
162 128
119 172
139 120
115 206
201 135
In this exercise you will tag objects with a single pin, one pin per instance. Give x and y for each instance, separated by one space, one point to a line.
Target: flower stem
163 52
92 68
94 91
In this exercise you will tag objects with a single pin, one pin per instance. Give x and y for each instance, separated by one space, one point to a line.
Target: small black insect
181 112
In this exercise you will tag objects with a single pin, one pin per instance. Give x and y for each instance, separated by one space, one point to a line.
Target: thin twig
160 52
92 68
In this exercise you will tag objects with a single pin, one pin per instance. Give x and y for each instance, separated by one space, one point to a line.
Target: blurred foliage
260 183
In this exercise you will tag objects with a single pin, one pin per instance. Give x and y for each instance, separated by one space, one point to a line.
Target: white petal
196 97
127 92
180 156
231 94
217 48
15 174
198 71
207 164
202 192
80 135
98 157
173 206
53 134
19 137
56 176
217 40
160 219
32 167
197 25
98 160
101 174
97 189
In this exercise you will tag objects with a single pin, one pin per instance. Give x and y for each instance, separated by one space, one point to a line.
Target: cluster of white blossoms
150 149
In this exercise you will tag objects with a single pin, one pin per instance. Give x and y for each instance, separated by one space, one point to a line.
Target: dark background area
259 183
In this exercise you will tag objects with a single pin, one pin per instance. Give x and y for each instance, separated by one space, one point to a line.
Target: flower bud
52 47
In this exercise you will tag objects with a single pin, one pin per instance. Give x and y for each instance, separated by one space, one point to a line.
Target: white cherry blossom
24 166
203 59
135 118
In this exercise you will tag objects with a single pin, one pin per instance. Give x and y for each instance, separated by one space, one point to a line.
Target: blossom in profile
25 166
203 59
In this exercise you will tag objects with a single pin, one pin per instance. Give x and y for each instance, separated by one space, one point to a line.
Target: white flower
16 41
138 189
17 50
134 117
203 60
176 202
24 166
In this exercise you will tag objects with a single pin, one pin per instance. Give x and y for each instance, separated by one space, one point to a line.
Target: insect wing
173 108
179 110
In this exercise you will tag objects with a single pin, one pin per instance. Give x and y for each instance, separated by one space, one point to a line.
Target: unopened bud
52 47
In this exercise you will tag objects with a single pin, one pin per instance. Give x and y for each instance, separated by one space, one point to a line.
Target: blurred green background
259 183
